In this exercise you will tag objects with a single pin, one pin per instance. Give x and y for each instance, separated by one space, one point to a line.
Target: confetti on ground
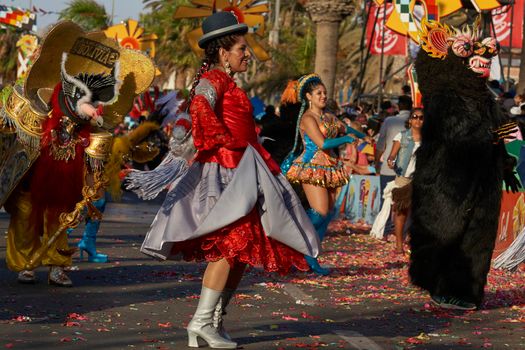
367 271
368 292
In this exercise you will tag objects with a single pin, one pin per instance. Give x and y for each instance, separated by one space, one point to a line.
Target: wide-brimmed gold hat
91 53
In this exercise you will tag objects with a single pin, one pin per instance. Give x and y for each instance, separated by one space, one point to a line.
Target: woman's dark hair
211 56
373 124
309 87
211 51
289 112
385 105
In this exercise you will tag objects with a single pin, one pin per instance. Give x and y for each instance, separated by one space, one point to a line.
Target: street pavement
135 302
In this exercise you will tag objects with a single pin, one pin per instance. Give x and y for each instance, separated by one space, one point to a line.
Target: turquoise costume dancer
317 168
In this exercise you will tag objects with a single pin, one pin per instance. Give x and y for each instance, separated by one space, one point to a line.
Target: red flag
501 18
394 43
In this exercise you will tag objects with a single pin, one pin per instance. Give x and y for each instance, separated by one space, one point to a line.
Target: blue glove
336 142
358 134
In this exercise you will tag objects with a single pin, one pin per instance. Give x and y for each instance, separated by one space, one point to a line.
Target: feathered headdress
289 95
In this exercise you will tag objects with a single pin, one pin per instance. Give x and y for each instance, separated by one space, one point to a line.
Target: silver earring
310 104
228 68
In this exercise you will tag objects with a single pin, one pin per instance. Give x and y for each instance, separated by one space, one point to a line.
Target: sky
124 9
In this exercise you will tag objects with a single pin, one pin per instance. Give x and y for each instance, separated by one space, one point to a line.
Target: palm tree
328 15
89 14
292 57
8 55
349 62
173 51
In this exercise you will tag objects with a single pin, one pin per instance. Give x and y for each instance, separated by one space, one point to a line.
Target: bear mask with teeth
460 165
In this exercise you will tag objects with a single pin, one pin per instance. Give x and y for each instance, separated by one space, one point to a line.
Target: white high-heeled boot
201 325
220 311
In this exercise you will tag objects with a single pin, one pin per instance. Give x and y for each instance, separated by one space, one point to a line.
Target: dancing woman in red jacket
232 207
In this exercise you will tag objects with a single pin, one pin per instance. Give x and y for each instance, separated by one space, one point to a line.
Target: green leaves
8 54
89 14
173 50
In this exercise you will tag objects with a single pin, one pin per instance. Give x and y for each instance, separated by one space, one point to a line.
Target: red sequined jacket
222 122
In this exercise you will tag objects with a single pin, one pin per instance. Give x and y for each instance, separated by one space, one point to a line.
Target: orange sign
511 220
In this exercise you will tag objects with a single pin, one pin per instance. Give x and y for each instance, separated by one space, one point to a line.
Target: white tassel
148 184
514 255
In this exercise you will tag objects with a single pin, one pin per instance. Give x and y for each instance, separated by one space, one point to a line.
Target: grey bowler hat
220 24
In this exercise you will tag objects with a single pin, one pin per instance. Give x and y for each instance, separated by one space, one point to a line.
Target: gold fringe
120 153
64 152
320 183
96 164
32 143
505 130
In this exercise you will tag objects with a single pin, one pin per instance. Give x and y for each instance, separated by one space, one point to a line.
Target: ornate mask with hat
73 69
92 68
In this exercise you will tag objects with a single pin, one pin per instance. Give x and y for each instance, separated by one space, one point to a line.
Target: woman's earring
310 104
228 68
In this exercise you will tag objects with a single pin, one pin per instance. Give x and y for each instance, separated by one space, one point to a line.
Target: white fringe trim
148 184
514 255
5 119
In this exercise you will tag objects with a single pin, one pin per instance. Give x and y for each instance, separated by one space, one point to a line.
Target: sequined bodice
329 128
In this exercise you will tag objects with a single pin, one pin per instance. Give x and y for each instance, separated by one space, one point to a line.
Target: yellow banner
447 7
481 5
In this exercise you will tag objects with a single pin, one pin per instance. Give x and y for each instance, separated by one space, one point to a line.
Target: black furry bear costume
460 168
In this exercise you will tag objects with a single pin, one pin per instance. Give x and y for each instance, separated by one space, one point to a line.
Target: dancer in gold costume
80 86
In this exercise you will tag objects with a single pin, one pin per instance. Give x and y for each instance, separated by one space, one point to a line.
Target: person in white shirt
402 159
519 101
390 128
